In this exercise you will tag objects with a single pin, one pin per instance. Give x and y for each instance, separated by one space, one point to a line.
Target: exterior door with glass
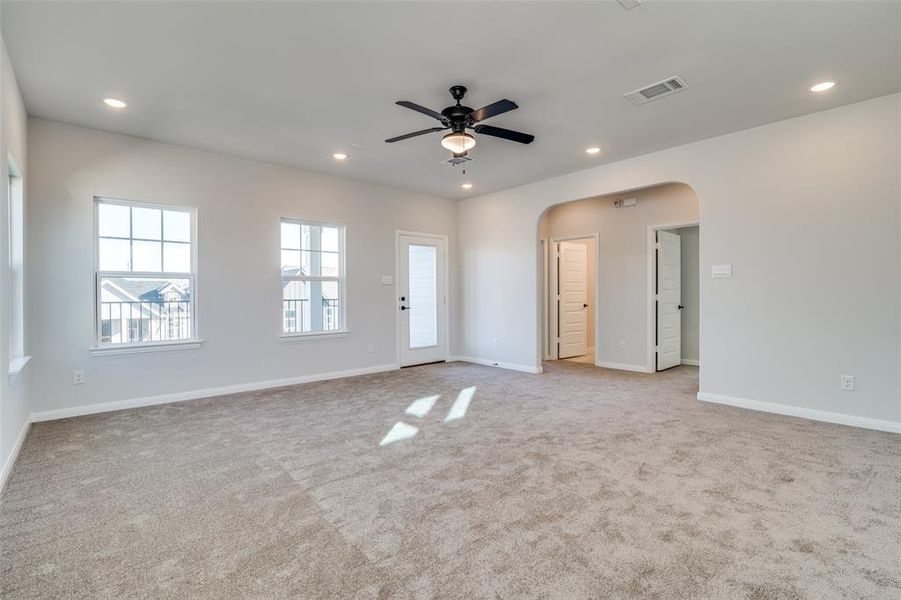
421 299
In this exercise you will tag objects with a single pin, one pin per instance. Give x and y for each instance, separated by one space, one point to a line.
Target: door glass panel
423 302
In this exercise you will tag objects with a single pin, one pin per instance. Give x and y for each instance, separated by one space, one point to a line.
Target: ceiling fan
459 118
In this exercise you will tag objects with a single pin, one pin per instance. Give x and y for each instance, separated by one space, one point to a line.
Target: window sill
141 348
15 367
314 335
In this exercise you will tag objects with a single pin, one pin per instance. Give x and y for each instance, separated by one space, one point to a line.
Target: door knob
402 298
681 307
584 306
403 308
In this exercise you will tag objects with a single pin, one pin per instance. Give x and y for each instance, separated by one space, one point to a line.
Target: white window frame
343 328
100 348
16 267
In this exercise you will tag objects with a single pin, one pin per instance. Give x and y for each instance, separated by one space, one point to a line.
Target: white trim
651 321
312 335
501 365
551 289
15 367
90 409
398 342
692 362
115 350
14 452
341 279
191 277
803 413
623 367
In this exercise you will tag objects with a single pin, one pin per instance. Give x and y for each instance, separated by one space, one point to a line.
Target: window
145 274
16 221
312 258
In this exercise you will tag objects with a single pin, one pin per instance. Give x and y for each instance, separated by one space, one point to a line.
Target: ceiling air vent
657 90
457 160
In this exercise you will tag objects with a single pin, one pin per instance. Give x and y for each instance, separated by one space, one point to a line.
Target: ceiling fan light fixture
458 142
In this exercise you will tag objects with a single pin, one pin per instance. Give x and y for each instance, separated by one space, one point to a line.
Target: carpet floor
578 483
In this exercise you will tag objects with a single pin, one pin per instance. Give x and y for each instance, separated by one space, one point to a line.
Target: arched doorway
617 314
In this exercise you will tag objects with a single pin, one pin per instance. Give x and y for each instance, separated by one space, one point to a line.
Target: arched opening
619 279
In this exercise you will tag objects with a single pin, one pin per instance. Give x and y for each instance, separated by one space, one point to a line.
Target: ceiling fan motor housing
457 115
459 118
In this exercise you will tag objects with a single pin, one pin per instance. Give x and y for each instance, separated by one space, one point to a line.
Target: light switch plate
721 271
387 279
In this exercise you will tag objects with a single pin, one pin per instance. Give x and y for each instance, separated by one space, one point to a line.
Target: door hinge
657 297
657 245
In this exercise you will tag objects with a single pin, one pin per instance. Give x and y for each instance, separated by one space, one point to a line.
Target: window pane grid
145 276
312 278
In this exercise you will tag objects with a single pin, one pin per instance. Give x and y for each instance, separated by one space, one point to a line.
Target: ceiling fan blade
422 109
507 134
492 110
414 134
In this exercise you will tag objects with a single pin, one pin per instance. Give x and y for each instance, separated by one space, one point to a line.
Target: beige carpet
579 483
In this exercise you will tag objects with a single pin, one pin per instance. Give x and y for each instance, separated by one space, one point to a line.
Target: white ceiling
291 83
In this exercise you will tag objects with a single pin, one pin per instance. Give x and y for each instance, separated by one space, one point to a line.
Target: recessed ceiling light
466 186
823 86
593 150
339 155
114 103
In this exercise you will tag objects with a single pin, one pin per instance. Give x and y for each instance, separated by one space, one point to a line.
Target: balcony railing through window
298 318
132 322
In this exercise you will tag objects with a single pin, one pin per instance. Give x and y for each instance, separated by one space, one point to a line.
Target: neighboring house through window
312 260
145 273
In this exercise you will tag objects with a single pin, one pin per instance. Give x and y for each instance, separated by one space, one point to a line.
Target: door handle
681 307
404 308
584 306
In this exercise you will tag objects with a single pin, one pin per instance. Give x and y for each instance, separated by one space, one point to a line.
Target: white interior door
572 317
669 300
421 299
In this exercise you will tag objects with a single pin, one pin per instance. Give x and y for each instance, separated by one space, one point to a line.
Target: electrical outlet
847 383
371 348
622 344
77 377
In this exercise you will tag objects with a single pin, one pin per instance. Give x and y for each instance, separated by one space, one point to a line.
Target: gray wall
691 293
14 399
805 210
239 203
622 269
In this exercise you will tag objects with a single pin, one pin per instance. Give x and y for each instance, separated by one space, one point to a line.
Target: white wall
691 292
807 212
239 204
14 408
622 268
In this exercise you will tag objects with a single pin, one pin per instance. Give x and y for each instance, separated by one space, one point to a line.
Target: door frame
446 266
550 288
651 343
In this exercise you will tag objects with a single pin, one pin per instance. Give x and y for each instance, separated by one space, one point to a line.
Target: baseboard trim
623 367
90 409
691 362
14 453
804 413
501 365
